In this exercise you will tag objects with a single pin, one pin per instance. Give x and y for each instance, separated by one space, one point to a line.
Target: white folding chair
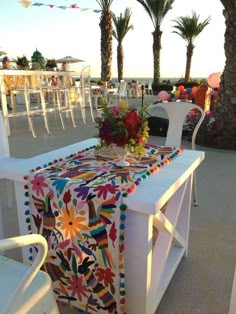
25 289
177 112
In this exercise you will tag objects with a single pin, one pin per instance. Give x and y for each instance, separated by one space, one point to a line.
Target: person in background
6 66
53 81
64 67
6 63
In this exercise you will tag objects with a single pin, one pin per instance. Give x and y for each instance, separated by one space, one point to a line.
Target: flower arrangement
51 63
123 126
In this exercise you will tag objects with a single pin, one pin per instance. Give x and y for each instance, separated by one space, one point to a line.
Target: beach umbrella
69 59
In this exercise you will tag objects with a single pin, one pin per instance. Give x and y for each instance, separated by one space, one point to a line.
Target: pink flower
113 111
38 183
76 287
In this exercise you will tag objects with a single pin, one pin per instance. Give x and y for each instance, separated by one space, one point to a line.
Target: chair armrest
20 241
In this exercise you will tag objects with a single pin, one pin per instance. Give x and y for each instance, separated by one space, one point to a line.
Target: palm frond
189 27
105 4
122 25
157 10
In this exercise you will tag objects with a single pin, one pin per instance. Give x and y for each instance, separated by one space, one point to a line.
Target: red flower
105 275
120 140
103 190
67 197
132 120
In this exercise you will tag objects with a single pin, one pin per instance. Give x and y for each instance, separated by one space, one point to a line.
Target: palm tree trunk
189 55
106 46
228 78
120 61
156 47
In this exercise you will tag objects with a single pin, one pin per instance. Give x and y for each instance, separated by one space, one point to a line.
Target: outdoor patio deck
203 281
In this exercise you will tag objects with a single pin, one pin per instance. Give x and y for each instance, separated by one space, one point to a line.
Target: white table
148 270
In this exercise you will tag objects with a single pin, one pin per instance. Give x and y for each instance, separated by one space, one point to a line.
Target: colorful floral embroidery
77 205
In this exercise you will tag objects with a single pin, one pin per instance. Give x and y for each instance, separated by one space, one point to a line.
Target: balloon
177 93
181 88
163 95
194 89
214 80
189 90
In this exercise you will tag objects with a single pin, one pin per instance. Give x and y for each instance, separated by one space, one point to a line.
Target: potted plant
51 64
22 63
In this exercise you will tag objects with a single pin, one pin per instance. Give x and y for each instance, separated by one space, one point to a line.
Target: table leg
138 262
23 209
4 107
149 264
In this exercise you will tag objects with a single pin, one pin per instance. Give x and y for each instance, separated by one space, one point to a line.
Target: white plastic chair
148 89
177 112
60 96
119 94
25 289
84 92
123 90
29 85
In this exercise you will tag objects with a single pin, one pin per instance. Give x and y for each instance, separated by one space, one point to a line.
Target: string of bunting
27 3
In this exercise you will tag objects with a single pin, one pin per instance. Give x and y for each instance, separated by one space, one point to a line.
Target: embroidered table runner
78 205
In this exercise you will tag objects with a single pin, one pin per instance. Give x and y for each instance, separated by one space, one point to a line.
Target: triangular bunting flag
25 3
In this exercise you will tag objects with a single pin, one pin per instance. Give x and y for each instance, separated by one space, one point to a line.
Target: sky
59 32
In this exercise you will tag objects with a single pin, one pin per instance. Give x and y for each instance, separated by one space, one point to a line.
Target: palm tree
188 28
228 77
106 39
157 10
121 29
2 53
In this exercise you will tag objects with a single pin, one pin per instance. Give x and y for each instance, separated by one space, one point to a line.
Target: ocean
145 80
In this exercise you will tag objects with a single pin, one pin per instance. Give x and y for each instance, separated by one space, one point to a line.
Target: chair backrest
85 77
150 84
4 144
177 112
20 241
123 89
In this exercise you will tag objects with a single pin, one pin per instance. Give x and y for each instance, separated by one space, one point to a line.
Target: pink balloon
163 95
214 80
